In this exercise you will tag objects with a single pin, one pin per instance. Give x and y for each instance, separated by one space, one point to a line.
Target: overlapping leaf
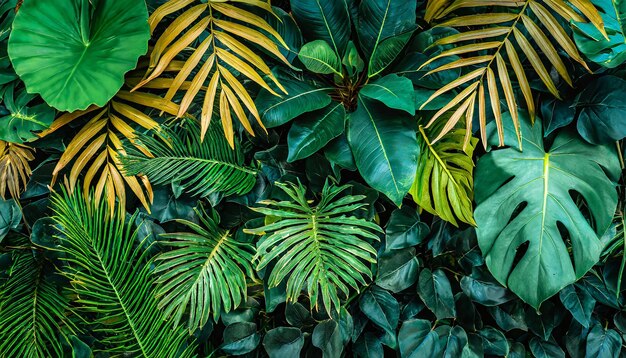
14 168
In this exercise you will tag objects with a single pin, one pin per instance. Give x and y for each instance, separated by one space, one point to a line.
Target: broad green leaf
318 57
75 52
338 152
443 182
601 108
517 351
313 130
302 97
385 148
392 90
327 337
10 216
556 114
327 20
369 346
494 342
452 339
352 61
546 349
386 53
510 316
485 290
530 192
434 289
283 342
404 229
416 339
297 315
579 302
240 338
382 309
546 320
397 270
603 343
609 52
24 116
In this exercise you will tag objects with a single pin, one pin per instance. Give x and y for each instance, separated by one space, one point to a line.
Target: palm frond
112 280
497 30
14 168
444 181
201 167
322 247
204 273
215 56
32 310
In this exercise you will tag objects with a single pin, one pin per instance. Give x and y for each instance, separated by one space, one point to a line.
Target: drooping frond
204 273
499 30
112 280
225 48
201 167
322 248
32 310
444 181
96 148
14 168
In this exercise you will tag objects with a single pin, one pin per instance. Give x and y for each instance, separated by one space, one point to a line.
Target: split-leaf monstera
75 52
530 197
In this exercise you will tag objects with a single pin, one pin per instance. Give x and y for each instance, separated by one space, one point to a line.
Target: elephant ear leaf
527 212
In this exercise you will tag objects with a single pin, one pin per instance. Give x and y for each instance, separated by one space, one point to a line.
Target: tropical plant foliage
213 178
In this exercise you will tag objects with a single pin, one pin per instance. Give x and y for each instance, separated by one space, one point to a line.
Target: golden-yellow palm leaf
491 46
209 63
14 168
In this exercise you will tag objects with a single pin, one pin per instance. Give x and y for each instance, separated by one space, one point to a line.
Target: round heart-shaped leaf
75 52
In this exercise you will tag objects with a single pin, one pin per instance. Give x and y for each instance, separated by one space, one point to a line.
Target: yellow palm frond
14 168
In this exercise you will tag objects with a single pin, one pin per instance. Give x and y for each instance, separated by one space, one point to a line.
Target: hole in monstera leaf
583 206
518 209
520 252
564 233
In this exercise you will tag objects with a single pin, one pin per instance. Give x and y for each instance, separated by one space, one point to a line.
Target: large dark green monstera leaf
75 52
527 217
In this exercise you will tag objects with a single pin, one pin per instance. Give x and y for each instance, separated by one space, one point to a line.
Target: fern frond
322 248
201 167
112 280
500 28
32 310
14 168
205 272
228 25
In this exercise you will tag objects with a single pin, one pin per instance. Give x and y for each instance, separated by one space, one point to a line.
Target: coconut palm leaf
201 167
204 273
112 280
322 247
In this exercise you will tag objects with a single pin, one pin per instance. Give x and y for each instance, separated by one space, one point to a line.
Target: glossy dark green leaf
579 302
318 57
575 339
416 339
386 52
43 233
556 114
10 216
510 316
603 343
167 207
485 290
404 229
287 28
338 152
394 91
517 350
494 342
297 315
382 309
452 339
385 148
313 130
434 289
327 20
283 342
601 106
368 346
75 52
532 199
25 116
544 322
302 97
474 347
327 337
397 270
467 314
79 348
545 349
240 338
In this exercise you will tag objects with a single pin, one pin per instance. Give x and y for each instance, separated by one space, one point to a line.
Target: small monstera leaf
24 116
75 52
528 198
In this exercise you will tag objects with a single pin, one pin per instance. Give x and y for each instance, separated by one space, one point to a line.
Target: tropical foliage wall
318 178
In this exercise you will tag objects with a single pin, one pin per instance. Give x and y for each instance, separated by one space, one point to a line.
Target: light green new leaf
444 181
204 273
318 57
526 197
200 167
75 52
323 248
313 130
112 279
385 148
23 119
394 91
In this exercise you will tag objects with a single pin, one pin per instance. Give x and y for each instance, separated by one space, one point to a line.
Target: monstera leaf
527 216
24 116
75 52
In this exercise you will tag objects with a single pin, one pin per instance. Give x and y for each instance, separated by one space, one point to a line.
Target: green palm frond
322 247
204 273
32 310
112 280
489 48
202 167
444 181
